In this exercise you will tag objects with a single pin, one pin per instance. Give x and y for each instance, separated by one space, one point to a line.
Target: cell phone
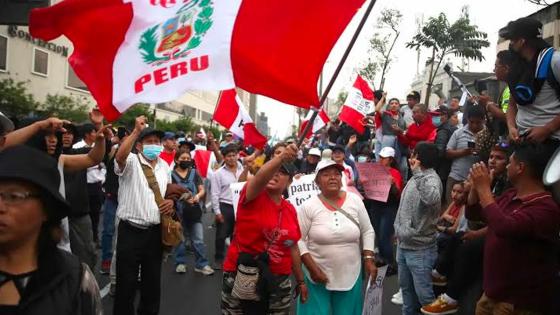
471 144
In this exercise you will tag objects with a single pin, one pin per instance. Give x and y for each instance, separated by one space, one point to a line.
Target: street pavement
194 294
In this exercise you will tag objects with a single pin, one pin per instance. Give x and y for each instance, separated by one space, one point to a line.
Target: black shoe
392 270
217 265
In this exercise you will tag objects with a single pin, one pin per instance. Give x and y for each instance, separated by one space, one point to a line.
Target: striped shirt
137 203
219 186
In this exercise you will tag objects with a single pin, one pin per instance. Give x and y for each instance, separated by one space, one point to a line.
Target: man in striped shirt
139 230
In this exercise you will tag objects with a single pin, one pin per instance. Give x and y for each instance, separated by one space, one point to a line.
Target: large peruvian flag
152 51
358 104
320 121
231 114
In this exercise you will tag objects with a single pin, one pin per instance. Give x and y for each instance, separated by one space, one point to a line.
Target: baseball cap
6 123
522 28
413 94
148 132
338 147
387 152
324 164
168 135
314 151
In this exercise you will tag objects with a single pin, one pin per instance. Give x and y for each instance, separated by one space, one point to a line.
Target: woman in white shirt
332 225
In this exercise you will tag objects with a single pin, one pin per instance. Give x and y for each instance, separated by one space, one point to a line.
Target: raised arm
22 135
267 171
94 157
128 143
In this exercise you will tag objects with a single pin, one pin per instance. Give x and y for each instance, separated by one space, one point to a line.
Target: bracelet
368 257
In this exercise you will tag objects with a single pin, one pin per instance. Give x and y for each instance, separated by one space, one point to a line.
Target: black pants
447 250
138 247
467 267
224 230
96 199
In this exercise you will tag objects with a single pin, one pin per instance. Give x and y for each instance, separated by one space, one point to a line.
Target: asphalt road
193 293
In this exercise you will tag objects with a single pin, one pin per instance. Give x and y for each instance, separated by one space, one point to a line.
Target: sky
489 15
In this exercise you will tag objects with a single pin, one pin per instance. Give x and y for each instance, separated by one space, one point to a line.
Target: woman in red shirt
265 239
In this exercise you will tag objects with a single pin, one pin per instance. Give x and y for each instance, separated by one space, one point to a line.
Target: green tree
461 39
382 45
184 124
128 118
65 107
14 99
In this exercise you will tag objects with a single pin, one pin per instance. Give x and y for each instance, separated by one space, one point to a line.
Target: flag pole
336 72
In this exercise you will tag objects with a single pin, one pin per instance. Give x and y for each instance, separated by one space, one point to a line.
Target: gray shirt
219 186
415 224
545 108
461 166
406 112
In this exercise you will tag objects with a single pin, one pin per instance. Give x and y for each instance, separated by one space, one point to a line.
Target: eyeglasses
15 197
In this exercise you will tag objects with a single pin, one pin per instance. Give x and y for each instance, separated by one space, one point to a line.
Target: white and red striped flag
153 51
204 159
231 114
358 104
320 121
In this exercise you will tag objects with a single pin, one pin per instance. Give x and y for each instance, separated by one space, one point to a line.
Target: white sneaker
181 268
207 270
397 298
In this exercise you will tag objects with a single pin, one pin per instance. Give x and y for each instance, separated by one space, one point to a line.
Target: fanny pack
254 280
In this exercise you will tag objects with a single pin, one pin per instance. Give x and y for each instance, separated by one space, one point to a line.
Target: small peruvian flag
358 104
153 51
231 114
320 121
203 160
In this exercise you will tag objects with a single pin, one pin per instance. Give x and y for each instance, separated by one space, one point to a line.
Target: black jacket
443 135
61 286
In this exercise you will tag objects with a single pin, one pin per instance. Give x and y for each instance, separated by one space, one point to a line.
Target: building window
72 80
3 53
40 62
206 116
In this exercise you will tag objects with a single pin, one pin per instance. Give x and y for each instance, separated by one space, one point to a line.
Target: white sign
304 188
374 294
235 193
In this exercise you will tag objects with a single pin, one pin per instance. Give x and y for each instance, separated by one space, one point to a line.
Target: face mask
189 139
152 151
436 120
362 159
185 164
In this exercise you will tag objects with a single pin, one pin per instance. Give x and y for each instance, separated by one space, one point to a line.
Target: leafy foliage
381 45
461 39
127 118
14 99
65 107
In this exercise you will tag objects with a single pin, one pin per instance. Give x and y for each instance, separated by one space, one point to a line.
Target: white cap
323 164
7 124
327 154
314 151
387 152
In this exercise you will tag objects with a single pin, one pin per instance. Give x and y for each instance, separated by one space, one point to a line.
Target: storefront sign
14 32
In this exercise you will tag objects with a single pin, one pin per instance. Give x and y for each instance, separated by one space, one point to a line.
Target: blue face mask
436 120
152 151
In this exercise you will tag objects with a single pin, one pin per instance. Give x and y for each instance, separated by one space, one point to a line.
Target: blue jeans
195 233
415 277
109 211
383 219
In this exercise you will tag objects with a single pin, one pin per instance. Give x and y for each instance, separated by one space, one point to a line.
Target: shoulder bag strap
152 181
339 209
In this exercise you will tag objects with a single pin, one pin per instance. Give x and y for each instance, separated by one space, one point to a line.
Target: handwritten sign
302 189
374 294
235 193
376 180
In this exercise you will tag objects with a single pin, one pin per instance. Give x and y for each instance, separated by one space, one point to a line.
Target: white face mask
362 159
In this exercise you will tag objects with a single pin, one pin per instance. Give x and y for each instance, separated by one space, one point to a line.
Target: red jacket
417 133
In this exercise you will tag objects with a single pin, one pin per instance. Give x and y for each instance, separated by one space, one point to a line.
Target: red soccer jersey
256 226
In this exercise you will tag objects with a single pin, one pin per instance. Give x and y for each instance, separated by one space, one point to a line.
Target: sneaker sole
440 313
204 273
396 302
439 284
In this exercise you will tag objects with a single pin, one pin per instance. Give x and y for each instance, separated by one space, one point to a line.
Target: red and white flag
320 121
153 51
358 104
231 114
204 159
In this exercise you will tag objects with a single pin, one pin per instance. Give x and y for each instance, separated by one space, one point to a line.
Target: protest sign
235 193
302 189
376 180
374 294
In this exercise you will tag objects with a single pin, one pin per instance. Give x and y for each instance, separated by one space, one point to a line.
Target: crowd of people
467 210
